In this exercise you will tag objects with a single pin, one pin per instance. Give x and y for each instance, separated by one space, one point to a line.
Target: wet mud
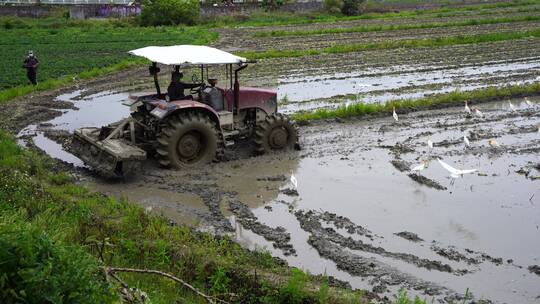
279 237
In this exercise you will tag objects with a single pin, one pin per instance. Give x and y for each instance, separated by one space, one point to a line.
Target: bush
169 12
333 6
35 269
351 7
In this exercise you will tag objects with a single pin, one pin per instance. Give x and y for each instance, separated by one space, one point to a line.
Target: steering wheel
196 90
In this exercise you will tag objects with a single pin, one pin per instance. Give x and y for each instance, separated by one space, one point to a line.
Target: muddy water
93 110
480 233
397 82
347 171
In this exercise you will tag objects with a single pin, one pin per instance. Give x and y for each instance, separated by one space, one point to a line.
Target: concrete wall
75 11
103 11
27 10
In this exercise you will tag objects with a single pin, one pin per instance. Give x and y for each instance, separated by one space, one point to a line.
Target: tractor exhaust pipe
237 87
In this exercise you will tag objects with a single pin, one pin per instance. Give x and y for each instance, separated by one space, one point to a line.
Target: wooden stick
170 276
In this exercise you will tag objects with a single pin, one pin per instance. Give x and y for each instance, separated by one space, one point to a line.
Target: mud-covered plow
107 150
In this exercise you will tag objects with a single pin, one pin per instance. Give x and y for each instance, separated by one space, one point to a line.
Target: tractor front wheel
188 140
277 132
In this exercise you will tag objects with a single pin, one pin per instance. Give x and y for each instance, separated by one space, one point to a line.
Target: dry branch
209 299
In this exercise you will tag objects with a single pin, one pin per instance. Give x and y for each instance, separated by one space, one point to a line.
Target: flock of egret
454 172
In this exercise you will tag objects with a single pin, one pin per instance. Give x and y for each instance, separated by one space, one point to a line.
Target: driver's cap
212 78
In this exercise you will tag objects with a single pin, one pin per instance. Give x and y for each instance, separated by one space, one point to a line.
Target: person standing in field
31 64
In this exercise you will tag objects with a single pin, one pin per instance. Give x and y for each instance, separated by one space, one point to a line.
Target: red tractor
187 130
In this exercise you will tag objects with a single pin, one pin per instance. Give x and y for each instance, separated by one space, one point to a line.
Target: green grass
378 28
441 100
412 43
72 50
280 18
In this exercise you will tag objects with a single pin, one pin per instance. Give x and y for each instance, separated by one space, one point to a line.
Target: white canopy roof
186 54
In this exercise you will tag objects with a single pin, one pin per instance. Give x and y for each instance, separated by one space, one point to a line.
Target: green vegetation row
395 27
409 43
455 98
272 19
55 237
70 51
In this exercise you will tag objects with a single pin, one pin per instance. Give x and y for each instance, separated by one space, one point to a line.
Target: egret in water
477 112
394 114
430 144
466 140
528 102
467 109
294 182
424 164
493 143
512 107
455 173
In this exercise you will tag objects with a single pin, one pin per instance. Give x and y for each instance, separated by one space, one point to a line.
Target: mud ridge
311 224
426 181
413 237
279 237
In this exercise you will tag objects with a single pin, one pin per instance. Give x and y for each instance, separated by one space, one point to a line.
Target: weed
377 28
411 43
294 291
440 100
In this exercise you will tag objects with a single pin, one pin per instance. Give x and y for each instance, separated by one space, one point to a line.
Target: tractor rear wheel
276 132
188 140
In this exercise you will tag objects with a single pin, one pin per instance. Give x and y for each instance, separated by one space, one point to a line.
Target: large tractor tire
276 133
188 140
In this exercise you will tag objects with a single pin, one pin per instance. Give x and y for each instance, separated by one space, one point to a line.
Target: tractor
186 131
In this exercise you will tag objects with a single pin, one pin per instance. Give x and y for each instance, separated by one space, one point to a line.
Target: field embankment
57 238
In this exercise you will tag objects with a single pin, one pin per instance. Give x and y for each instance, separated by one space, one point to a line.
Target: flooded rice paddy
359 213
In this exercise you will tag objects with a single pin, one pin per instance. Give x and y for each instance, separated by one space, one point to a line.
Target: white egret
294 182
467 109
430 144
492 142
528 102
394 114
424 164
466 140
478 113
455 173
512 107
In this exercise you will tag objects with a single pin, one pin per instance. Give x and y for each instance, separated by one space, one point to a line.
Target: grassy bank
379 28
455 98
55 237
411 43
280 18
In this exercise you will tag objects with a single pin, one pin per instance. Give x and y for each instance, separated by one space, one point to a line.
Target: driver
177 87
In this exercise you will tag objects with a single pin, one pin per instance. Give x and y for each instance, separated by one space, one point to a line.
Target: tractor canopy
187 55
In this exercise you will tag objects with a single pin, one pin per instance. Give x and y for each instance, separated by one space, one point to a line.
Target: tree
351 7
169 12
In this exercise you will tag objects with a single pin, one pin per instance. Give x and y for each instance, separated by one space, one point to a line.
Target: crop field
328 64
73 49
